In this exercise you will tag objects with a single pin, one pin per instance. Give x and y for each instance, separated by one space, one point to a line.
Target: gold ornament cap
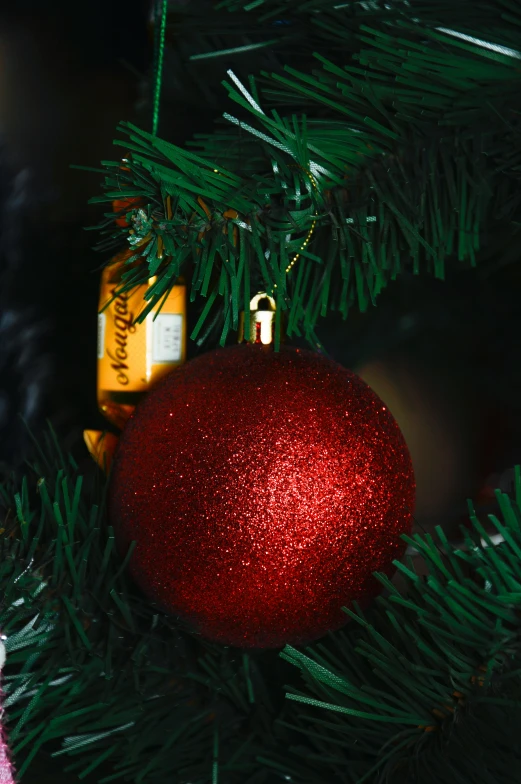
261 325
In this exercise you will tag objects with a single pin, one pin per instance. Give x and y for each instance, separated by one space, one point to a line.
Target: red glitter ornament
263 490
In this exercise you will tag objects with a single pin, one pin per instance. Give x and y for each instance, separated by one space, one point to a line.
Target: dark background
445 356
67 77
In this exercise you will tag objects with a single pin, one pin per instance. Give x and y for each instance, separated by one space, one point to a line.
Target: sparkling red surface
262 489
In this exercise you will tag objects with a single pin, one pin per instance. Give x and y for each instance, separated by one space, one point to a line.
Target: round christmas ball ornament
262 489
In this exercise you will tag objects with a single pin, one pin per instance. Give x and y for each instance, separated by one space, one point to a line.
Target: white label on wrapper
167 337
101 335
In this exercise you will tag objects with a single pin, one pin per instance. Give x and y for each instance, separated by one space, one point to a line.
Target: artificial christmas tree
383 141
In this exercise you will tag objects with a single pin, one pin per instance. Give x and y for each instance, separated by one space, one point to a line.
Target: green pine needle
405 154
94 666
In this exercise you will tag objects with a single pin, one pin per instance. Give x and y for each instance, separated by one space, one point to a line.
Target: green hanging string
158 59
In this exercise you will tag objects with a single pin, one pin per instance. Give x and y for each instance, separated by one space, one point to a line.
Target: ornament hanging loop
261 324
